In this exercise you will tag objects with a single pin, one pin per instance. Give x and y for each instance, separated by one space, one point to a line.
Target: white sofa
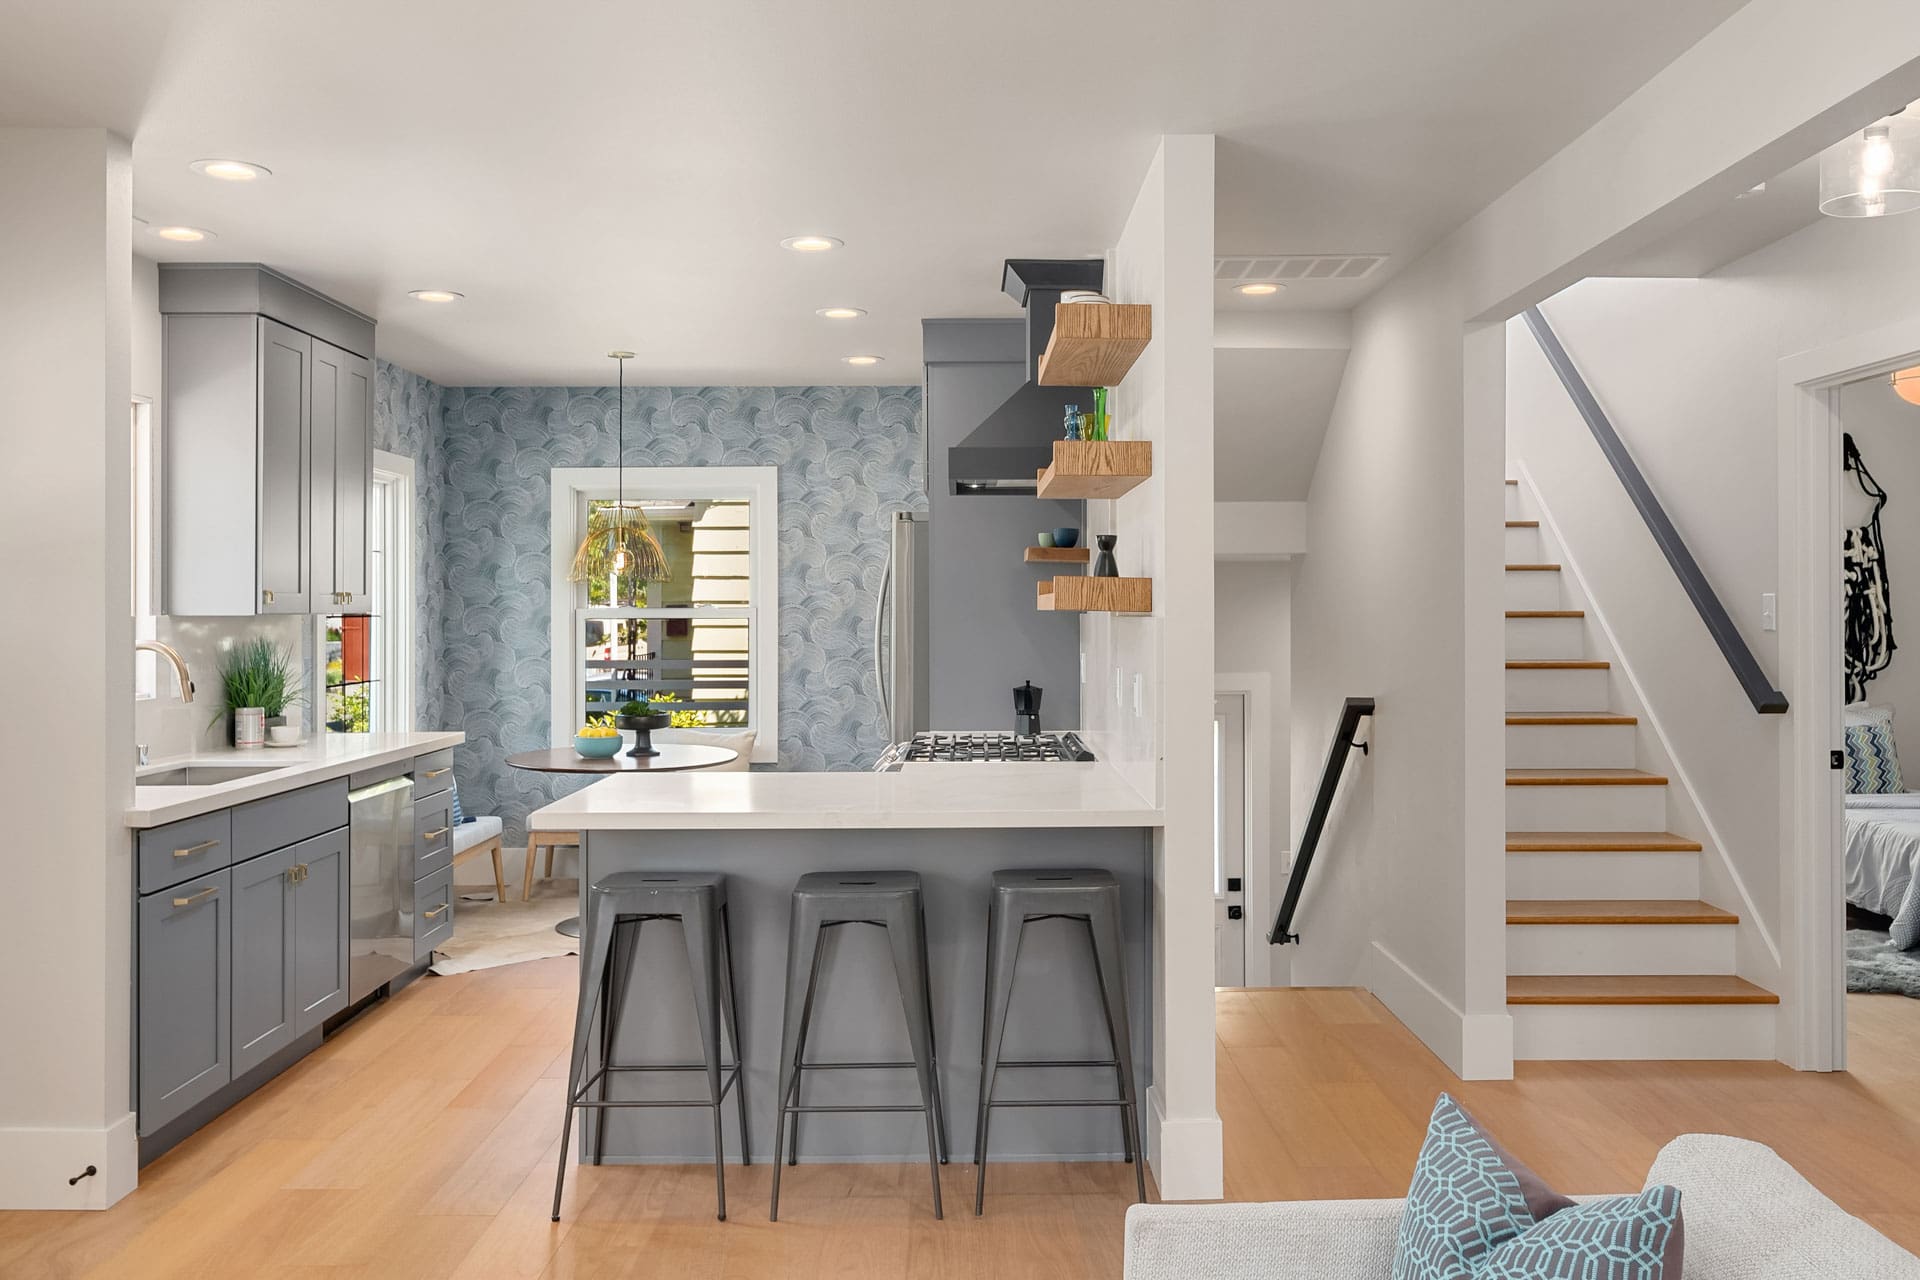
1748 1216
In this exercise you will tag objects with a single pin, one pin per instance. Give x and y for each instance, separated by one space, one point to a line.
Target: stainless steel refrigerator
900 630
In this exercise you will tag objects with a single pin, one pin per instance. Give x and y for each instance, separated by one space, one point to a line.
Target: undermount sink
199 775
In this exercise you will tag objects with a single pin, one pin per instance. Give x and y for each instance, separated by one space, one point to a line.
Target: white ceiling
598 174
1271 406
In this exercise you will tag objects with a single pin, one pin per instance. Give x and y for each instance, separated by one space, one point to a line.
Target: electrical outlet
1769 612
1139 695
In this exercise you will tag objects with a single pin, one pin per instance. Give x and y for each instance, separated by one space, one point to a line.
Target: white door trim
1257 688
1813 1014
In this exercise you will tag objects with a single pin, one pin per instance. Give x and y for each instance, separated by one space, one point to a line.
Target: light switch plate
1769 612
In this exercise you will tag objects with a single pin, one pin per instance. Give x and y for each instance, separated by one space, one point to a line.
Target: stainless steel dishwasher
380 887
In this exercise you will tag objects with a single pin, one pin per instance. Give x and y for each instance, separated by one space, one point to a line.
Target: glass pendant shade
1906 385
1874 173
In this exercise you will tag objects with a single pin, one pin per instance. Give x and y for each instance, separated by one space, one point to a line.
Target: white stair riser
1528 589
1619 948
1523 546
1514 505
1570 746
1557 689
1644 1032
1546 638
1586 808
1615 873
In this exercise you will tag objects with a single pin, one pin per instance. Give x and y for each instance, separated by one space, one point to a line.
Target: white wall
66 742
1887 431
1408 896
1148 698
1253 633
1686 370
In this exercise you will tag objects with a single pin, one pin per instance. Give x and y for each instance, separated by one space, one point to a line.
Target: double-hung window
687 619
366 664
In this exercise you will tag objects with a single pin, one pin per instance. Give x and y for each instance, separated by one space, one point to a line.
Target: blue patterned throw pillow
1873 763
1468 1198
1621 1238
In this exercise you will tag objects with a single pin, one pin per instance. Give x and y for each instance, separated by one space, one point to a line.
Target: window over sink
686 619
366 665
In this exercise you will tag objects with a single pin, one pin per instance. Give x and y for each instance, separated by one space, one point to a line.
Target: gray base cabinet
289 946
186 996
320 930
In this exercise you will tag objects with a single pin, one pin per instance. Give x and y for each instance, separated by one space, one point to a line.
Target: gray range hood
1013 442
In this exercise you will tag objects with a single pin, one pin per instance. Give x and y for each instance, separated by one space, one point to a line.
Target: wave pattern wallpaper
848 458
406 420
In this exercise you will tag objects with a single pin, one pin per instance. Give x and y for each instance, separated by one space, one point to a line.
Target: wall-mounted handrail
1343 745
1766 699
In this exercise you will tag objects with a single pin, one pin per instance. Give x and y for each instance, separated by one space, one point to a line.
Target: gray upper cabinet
342 477
185 990
266 427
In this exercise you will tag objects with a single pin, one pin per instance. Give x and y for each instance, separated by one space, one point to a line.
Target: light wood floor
420 1143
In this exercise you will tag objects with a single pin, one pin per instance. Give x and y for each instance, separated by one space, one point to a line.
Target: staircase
1610 951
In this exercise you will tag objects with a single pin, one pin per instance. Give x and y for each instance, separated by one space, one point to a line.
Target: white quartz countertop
918 796
318 759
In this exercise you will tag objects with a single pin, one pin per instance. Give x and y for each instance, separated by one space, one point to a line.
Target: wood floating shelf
1094 468
1058 555
1083 594
1094 343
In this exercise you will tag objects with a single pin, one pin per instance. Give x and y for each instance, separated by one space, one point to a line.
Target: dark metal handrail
1343 743
1766 699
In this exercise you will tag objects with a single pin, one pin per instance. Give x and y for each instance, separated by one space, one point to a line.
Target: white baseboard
1474 1047
35 1165
1187 1155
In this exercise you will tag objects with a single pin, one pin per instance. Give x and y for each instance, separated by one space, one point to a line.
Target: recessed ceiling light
1258 290
810 244
230 170
185 235
861 359
434 295
840 313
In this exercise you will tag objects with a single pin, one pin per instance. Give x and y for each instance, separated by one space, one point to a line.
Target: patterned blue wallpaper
848 457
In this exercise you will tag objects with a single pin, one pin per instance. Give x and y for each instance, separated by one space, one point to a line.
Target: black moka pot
1026 709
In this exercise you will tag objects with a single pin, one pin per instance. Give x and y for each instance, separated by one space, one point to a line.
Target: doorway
1230 839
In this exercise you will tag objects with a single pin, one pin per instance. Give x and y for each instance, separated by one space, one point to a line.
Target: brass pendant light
611 544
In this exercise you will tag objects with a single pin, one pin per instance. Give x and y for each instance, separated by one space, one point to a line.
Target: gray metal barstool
1018 899
824 900
617 907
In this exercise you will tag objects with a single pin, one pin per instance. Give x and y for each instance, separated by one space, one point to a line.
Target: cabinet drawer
432 913
185 849
432 835
432 774
278 821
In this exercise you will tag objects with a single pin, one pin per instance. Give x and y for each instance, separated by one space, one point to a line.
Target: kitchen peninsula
954 824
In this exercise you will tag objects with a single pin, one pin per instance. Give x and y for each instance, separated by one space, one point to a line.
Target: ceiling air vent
1285 268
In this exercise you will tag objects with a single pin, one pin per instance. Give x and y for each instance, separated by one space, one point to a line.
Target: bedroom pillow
1873 762
1621 1238
1468 1196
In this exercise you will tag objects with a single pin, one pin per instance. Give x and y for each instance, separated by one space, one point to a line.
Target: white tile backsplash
172 728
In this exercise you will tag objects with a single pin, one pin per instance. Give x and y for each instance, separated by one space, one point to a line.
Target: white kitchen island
955 824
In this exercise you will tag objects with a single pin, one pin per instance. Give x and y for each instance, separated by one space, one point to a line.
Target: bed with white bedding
1883 860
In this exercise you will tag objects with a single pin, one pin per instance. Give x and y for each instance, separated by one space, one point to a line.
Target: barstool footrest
1060 1102
730 1077
854 1110
856 1066
1061 1062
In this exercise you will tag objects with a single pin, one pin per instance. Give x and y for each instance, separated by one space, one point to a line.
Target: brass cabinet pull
428 915
434 834
192 849
298 873
201 896
266 597
434 773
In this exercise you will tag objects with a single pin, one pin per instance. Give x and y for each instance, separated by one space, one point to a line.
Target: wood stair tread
1599 842
1569 717
1708 988
1584 778
1578 911
1523 524
1533 568
1546 613
1558 664
1513 482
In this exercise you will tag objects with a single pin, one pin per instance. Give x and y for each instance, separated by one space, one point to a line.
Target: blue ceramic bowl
1064 537
598 748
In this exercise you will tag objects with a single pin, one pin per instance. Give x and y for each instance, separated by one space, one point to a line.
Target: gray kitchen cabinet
185 993
267 435
263 947
289 945
342 477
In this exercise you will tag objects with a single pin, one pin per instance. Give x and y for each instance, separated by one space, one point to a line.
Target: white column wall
66 741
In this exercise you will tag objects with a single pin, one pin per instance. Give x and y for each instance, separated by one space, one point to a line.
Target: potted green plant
638 717
258 675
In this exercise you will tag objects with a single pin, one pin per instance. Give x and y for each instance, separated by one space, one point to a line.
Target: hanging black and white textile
1868 636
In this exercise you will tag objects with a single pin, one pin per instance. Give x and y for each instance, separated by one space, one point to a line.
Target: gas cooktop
980 746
